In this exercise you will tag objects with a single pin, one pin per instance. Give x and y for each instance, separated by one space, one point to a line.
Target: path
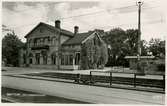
85 93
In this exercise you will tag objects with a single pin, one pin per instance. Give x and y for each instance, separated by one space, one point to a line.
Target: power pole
139 4
139 27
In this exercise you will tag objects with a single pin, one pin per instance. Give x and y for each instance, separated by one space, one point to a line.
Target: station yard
107 77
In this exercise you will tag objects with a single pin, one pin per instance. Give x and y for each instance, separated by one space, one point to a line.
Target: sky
22 17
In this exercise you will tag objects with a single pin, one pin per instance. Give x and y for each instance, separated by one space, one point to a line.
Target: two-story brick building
53 47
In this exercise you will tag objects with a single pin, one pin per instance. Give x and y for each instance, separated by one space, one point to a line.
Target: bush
161 67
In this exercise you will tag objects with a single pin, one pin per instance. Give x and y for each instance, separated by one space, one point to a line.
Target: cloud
105 15
23 18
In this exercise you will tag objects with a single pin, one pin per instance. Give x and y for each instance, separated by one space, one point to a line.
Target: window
35 42
38 41
32 43
62 60
37 57
48 40
53 59
66 59
44 59
54 41
29 43
24 58
42 41
77 58
71 59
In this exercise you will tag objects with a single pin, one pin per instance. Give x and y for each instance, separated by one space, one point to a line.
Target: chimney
76 29
57 24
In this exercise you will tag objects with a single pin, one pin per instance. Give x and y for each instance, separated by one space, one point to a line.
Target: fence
109 79
160 83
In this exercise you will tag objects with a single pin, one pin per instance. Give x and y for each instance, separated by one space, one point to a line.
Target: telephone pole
139 4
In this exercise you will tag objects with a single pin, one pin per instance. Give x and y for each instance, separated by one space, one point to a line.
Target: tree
157 47
115 38
11 45
144 48
123 43
132 35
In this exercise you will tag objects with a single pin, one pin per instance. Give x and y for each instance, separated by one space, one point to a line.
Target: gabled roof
63 31
78 38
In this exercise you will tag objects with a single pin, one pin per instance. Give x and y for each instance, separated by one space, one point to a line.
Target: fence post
90 77
123 68
78 78
134 80
110 78
164 82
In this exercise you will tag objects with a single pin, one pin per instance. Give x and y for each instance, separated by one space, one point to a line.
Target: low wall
69 67
66 67
44 66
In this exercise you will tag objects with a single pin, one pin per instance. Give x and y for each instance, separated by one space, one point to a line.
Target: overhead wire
65 18
130 24
33 7
87 14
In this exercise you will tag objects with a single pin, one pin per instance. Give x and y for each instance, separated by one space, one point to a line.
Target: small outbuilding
145 62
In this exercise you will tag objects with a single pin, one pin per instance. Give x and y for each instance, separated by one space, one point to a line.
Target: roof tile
63 31
78 38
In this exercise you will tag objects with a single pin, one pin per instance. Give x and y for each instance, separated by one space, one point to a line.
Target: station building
53 47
